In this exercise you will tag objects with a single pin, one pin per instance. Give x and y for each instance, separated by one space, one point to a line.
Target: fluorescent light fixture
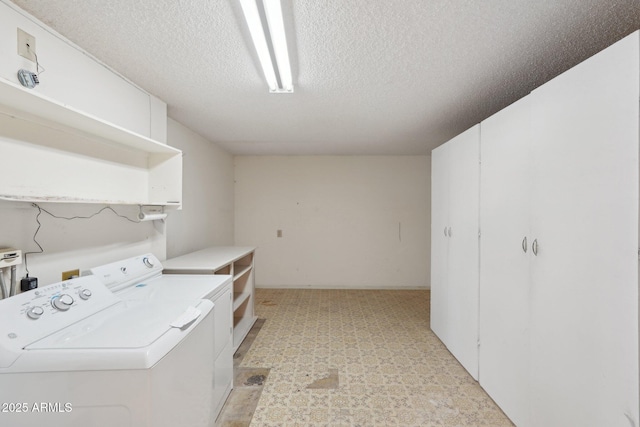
278 78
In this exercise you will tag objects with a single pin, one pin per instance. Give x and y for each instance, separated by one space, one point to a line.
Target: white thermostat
28 79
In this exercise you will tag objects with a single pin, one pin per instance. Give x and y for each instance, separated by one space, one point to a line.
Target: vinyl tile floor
351 358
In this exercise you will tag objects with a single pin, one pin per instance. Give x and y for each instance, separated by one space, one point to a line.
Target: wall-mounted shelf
53 199
55 153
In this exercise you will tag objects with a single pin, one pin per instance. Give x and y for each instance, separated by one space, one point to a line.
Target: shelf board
241 327
29 105
56 199
239 299
245 269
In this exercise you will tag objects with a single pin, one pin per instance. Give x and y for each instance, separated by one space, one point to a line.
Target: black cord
106 208
40 210
26 266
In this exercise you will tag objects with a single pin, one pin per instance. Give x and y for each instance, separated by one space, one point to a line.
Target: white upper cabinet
454 280
52 152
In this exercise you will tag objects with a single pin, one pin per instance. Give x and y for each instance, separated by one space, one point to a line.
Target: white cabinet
505 248
559 323
52 152
584 298
439 240
454 263
223 348
235 261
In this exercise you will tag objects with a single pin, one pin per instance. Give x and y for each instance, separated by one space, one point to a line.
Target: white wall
74 78
78 243
207 194
346 221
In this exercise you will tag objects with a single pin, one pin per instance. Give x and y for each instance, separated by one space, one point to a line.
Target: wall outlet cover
66 275
26 45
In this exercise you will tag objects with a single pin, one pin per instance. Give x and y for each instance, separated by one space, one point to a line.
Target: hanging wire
41 210
69 218
38 66
26 264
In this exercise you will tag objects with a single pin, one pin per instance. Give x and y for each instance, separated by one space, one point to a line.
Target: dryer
140 278
75 354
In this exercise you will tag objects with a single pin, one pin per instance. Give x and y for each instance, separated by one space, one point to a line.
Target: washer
140 278
75 354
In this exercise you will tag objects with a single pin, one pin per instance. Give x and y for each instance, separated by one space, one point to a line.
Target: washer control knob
35 312
147 262
62 302
85 294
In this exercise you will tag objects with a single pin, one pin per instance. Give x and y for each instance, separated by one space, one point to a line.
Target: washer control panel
57 297
128 272
31 315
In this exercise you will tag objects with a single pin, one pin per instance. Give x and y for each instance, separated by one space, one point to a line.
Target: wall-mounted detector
28 79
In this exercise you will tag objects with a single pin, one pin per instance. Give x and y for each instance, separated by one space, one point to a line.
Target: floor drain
255 380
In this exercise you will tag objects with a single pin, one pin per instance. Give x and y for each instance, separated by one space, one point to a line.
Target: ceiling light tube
273 11
257 35
275 31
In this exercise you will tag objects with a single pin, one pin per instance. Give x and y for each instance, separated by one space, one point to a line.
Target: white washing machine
75 354
140 278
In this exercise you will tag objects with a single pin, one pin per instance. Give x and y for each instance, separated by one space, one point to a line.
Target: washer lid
128 325
175 286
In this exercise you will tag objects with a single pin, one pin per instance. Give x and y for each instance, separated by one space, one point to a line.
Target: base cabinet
227 260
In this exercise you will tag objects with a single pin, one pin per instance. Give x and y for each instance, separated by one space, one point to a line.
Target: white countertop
207 259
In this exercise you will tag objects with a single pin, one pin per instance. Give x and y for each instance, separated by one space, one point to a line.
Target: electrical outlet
26 45
66 275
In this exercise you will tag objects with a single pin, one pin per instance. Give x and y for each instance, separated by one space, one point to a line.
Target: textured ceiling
371 77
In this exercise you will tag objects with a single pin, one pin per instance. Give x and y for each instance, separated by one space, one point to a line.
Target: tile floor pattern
391 369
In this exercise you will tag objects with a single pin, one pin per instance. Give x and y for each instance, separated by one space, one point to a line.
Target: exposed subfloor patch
246 344
250 377
326 383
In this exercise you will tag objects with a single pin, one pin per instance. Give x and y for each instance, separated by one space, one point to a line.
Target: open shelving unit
233 261
55 153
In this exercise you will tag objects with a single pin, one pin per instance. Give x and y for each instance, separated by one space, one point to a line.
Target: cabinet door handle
445 232
534 247
524 244
449 231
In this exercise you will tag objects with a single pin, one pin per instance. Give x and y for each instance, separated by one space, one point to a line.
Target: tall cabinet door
584 298
454 252
463 283
505 247
439 240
